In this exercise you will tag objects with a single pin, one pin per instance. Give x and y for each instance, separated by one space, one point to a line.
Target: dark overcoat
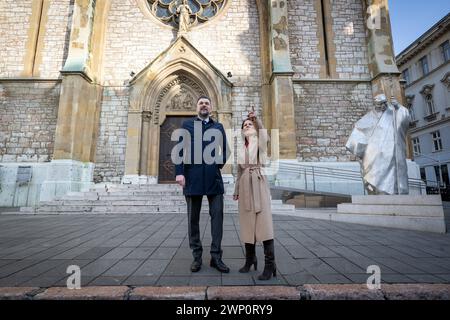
202 178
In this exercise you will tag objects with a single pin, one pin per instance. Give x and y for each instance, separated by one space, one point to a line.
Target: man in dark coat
199 174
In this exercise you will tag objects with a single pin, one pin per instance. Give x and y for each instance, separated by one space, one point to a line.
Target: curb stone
304 292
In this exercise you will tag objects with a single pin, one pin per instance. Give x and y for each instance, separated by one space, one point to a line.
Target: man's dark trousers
194 204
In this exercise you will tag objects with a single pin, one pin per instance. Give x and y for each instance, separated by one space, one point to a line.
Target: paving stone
151 268
178 268
396 278
174 281
274 281
13 281
253 293
323 251
163 253
237 281
316 266
117 253
343 265
43 282
97 267
206 281
445 277
333 278
299 252
124 267
85 293
341 292
16 293
416 291
140 281
424 278
16 267
108 281
300 278
169 293
94 253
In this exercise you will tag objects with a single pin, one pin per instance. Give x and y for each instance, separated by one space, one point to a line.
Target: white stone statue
184 12
379 141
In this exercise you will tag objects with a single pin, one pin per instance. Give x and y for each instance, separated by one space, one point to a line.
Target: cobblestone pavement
152 250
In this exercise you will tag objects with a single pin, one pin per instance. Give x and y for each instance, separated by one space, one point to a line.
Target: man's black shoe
219 265
196 265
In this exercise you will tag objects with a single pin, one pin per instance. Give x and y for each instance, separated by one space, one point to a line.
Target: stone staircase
134 199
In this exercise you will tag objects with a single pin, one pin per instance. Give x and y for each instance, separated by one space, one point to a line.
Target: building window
424 65
437 141
445 47
445 178
430 104
412 114
416 146
406 76
438 174
423 174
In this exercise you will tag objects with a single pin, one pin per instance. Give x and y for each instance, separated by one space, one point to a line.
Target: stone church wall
349 34
325 114
14 23
28 120
348 47
15 19
112 138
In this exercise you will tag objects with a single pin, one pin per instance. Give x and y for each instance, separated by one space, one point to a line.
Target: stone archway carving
170 85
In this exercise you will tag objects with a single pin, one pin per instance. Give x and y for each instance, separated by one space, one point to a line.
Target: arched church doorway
166 167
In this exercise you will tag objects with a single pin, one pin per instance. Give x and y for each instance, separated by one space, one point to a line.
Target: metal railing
313 178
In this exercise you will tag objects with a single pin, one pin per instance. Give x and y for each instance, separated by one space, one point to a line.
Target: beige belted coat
255 213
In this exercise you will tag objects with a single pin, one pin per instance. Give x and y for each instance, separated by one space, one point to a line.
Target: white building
425 66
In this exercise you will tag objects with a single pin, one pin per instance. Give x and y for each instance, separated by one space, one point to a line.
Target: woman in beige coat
253 195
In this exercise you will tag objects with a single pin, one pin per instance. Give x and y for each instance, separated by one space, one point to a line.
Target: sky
411 18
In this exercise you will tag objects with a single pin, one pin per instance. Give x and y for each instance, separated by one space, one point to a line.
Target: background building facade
90 90
425 66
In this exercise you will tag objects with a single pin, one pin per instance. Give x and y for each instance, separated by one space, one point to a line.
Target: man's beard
203 113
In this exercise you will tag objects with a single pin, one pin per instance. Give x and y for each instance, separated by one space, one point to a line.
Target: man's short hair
204 97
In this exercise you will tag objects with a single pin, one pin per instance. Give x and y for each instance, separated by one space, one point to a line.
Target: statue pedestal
411 212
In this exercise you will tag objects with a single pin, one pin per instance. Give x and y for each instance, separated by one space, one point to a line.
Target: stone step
151 189
106 212
134 208
109 202
90 207
424 200
427 224
391 210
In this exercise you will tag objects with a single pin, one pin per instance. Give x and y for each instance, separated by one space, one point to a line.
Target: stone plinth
411 212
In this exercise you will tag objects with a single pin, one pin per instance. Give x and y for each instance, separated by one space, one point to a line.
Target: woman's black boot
270 268
250 258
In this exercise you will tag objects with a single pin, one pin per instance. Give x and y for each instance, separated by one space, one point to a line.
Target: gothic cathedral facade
90 90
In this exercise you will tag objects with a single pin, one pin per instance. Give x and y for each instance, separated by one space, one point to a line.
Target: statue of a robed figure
379 141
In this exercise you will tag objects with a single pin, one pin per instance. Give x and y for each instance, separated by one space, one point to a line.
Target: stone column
386 78
143 170
282 91
383 69
79 105
153 156
225 117
132 158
